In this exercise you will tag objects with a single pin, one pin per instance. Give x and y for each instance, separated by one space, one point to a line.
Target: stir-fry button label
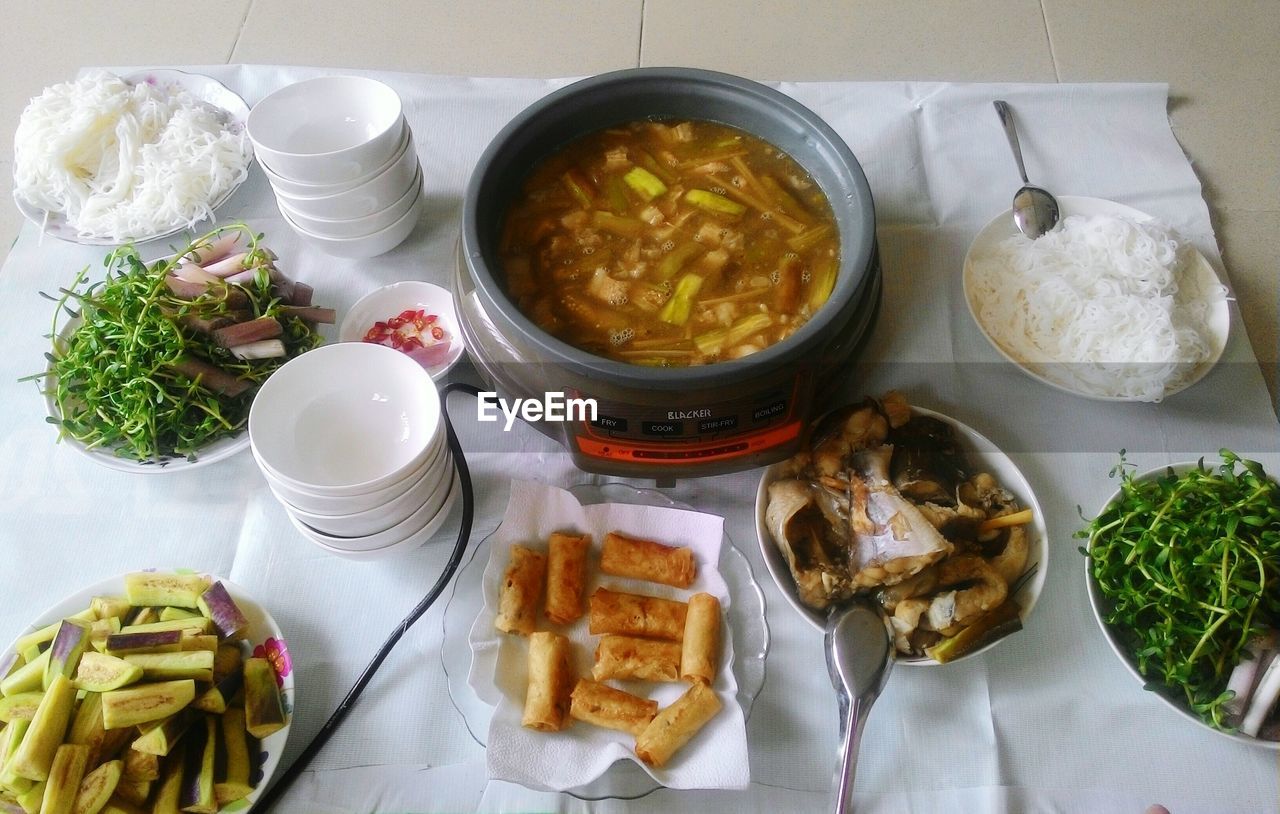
722 424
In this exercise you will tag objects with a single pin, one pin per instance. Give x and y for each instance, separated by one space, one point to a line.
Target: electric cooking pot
666 422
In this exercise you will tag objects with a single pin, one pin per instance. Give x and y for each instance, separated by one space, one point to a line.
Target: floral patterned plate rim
264 639
234 112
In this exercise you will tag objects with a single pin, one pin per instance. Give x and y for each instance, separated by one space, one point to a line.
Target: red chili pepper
407 331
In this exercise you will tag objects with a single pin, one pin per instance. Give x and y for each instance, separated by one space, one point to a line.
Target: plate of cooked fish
917 511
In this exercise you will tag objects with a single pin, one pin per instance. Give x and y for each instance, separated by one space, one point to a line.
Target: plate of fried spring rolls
618 673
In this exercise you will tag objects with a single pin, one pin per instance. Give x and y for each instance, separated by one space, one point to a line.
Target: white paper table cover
1048 721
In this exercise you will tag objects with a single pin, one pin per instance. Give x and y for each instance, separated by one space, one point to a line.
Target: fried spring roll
605 706
645 559
546 702
636 615
643 659
674 726
520 591
700 651
566 576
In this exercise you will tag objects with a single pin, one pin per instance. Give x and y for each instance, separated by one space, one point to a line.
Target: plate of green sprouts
153 368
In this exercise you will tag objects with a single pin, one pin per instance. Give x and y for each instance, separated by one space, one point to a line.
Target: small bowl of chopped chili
411 316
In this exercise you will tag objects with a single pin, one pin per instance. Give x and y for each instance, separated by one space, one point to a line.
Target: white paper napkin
717 756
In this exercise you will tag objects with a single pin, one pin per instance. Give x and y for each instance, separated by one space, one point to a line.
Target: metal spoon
859 657
1035 211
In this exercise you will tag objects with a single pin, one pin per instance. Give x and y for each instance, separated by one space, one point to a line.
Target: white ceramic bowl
983 456
345 504
360 226
393 299
327 130
372 245
345 419
351 199
1100 605
433 483
421 515
357 504
409 543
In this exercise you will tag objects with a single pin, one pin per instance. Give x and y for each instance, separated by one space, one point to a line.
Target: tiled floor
1219 56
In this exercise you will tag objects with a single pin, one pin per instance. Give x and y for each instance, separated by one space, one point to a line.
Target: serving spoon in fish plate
859 657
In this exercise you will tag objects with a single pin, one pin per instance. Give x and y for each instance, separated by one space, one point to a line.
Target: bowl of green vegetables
153 368
1183 569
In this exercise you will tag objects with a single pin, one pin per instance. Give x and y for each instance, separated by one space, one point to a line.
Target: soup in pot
670 244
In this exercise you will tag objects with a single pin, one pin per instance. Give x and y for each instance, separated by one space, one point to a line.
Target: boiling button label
769 411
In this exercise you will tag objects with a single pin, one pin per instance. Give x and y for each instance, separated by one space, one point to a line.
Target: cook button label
769 411
666 429
708 425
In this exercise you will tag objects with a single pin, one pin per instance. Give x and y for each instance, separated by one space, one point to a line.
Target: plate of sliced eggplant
160 690
915 509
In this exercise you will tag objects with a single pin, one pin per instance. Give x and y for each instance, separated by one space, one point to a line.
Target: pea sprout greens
1190 567
142 370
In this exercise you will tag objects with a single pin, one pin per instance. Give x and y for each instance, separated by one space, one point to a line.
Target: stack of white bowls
351 440
340 157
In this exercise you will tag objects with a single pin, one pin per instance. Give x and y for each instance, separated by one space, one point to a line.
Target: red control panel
691 434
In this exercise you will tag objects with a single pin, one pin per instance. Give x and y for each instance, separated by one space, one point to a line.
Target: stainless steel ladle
859 657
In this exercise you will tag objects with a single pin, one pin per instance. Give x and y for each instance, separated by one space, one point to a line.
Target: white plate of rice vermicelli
103 160
1110 305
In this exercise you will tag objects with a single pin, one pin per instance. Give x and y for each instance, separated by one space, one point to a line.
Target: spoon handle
1011 133
852 732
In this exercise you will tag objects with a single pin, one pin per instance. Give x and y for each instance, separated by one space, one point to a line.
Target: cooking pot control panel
692 433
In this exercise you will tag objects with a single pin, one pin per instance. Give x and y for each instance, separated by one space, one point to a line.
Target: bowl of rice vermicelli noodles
1110 305
105 160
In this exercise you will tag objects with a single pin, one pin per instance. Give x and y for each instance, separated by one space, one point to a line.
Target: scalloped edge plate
624 780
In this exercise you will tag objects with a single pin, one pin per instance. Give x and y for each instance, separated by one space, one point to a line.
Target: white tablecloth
1048 721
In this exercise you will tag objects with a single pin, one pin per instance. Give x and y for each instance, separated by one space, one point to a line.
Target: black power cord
271 795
